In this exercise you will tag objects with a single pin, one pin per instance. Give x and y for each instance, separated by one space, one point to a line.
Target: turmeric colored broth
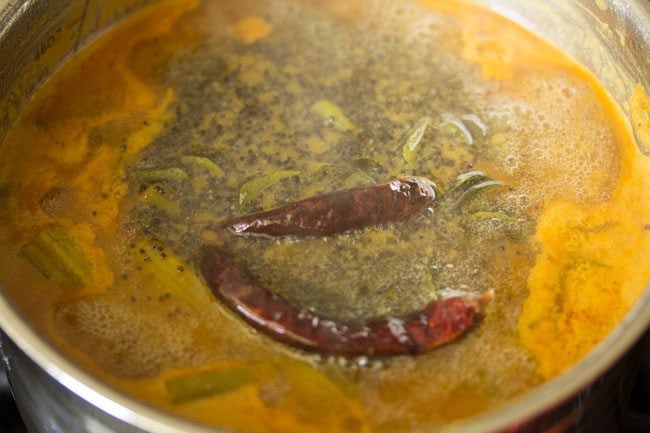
192 113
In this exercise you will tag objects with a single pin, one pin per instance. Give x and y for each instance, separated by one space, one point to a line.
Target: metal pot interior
610 38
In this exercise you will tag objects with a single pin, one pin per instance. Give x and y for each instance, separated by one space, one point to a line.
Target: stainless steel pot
610 37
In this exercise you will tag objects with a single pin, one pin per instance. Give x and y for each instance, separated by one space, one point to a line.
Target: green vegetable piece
459 125
332 113
208 384
253 188
204 163
58 257
412 139
470 178
154 195
169 173
470 183
474 189
476 122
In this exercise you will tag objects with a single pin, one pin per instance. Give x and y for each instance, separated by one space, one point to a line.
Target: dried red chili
439 322
336 212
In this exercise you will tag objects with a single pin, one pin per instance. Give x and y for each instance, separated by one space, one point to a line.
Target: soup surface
122 168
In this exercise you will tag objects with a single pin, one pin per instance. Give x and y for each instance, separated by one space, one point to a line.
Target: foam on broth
147 139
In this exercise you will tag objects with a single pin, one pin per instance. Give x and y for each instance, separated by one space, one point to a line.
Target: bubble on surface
125 341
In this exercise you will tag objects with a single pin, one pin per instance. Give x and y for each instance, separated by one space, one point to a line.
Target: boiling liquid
192 113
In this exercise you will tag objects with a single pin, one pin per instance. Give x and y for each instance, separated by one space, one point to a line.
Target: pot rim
516 411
